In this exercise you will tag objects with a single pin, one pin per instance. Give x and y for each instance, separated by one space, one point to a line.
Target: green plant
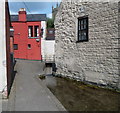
50 23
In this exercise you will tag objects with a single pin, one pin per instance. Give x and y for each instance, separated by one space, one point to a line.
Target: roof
31 17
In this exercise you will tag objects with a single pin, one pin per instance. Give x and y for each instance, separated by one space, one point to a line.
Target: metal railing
48 58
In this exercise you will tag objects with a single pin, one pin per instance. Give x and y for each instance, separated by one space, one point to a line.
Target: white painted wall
49 49
43 25
47 46
3 76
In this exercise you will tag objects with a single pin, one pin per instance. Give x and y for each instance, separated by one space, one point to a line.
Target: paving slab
28 92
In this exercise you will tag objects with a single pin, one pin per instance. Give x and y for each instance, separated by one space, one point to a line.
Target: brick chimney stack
22 14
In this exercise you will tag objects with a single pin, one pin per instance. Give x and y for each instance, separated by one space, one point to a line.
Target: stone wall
95 61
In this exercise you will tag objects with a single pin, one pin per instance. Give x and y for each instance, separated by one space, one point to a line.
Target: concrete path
28 92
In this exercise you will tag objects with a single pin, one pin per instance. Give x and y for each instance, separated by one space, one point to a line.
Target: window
30 31
33 32
50 32
82 29
36 31
29 46
15 46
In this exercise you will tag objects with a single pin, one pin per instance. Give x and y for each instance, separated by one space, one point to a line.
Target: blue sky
32 7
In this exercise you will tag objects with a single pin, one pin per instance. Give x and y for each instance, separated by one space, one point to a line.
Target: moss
42 77
83 84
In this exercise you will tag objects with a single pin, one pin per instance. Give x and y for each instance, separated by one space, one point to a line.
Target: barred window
82 29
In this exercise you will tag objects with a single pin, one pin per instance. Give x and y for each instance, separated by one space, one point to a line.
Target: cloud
49 15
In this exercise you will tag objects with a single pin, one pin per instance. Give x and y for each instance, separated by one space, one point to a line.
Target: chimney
22 14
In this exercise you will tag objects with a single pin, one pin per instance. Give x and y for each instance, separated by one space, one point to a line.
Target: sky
32 7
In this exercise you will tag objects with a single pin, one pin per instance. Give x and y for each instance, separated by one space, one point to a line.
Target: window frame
82 30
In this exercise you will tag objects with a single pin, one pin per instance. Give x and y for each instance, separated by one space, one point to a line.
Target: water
76 96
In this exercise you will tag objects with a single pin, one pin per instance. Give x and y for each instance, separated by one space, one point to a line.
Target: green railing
33 37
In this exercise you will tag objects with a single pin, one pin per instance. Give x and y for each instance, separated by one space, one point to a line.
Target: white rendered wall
3 76
43 25
47 46
49 49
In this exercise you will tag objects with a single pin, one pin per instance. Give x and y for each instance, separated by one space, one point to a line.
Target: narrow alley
60 56
28 92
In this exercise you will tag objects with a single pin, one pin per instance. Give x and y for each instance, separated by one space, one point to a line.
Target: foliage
50 23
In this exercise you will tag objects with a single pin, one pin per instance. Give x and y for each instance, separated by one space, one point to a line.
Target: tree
50 23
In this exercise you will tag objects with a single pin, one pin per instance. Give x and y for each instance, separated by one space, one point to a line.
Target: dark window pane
15 46
30 31
84 26
85 21
29 46
36 31
81 22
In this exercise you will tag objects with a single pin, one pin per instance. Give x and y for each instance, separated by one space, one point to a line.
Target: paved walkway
28 92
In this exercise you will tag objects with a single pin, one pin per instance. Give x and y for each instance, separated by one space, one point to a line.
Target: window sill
81 41
33 37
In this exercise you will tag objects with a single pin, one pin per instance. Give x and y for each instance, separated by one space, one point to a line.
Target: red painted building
27 38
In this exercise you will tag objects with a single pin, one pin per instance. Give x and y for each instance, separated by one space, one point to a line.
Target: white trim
43 26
